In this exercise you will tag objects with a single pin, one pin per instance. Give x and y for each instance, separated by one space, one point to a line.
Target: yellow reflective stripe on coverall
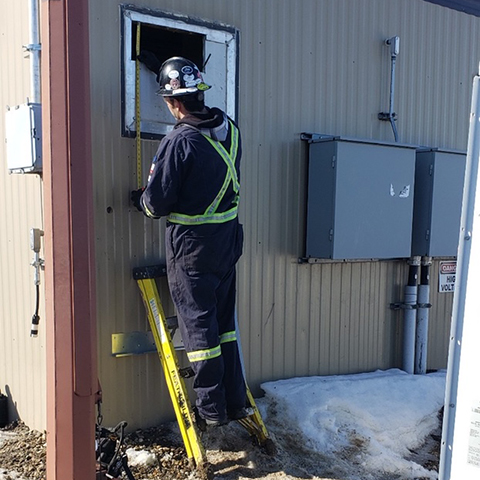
228 337
214 352
200 355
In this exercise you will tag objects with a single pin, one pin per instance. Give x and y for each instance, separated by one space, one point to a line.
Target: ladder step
186 372
172 323
150 271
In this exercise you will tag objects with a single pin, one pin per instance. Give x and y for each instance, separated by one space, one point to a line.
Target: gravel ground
230 451
22 453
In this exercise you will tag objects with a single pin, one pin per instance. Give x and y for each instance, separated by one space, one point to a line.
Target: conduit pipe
34 48
394 44
423 306
409 306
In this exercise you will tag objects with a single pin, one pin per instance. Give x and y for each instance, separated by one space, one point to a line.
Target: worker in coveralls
194 181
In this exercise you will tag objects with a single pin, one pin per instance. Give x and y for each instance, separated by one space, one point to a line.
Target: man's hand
135 198
151 61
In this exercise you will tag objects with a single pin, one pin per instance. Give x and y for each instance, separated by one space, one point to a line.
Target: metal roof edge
470 7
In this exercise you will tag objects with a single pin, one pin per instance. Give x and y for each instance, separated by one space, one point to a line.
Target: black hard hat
180 76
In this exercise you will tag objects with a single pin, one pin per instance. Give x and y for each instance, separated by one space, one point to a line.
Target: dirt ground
230 451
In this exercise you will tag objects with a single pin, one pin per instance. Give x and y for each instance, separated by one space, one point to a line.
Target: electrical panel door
439 178
360 199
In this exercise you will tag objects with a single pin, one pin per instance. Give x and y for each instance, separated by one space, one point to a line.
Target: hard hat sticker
202 86
173 74
175 83
187 70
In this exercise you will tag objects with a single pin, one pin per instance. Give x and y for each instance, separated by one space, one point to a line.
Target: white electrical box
23 125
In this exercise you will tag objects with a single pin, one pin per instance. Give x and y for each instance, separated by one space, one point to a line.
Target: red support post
69 241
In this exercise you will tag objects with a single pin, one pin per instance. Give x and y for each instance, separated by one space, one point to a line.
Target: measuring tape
137 110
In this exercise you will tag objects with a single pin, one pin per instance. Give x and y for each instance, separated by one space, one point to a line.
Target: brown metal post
69 241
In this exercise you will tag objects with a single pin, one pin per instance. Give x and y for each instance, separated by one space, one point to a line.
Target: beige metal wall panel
304 66
22 358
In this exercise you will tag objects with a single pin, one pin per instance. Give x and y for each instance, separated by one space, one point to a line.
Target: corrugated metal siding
22 359
322 67
304 66
318 66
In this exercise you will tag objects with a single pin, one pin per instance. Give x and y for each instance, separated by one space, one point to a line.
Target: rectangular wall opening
212 48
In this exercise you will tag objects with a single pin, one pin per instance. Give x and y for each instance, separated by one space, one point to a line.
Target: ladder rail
175 383
261 431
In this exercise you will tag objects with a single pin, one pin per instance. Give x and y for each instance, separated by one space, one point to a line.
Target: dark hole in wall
168 42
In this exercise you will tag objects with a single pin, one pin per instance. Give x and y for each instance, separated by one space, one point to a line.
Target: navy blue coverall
194 182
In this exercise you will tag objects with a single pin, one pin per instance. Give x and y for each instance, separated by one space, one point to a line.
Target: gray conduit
34 49
423 307
410 316
390 116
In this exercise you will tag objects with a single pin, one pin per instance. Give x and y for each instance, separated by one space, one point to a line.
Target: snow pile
385 413
140 457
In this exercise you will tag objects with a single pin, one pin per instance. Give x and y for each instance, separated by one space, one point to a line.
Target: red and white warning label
446 277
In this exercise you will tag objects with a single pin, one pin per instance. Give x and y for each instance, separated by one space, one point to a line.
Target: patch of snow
140 457
385 413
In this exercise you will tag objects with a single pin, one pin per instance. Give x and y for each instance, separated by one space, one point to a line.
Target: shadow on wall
8 408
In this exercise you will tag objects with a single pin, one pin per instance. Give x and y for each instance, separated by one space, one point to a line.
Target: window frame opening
212 47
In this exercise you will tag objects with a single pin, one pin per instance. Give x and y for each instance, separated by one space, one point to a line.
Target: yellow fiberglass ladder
162 333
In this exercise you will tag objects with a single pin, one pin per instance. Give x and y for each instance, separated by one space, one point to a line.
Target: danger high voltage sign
446 280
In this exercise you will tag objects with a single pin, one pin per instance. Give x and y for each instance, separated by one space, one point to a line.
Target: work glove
150 60
135 198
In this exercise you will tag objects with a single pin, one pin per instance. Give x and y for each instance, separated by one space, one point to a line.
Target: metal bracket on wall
403 306
385 116
424 305
314 260
133 343
31 47
315 137
140 343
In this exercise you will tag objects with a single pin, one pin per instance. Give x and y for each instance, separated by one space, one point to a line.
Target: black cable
36 317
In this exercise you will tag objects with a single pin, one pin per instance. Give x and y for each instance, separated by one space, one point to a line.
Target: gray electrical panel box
439 178
360 199
23 126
